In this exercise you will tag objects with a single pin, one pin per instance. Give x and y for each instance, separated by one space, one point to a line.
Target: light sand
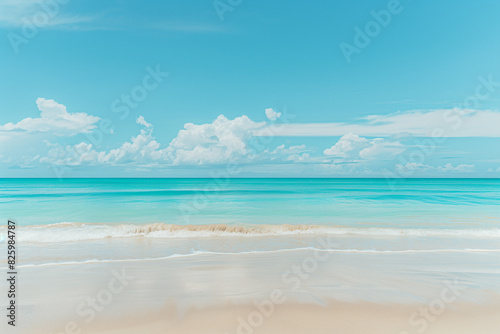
346 318
337 292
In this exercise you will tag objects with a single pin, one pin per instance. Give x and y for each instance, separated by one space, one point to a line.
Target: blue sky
416 94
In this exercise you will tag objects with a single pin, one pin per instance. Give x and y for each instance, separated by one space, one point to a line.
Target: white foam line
363 251
67 231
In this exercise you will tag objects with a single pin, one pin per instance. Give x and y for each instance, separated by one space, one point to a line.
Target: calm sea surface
412 203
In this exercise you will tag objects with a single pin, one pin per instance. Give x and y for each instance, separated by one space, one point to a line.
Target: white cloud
351 146
293 153
463 168
282 149
142 121
348 145
380 148
79 154
422 123
54 119
12 11
38 13
272 115
304 157
225 140
413 167
221 141
140 149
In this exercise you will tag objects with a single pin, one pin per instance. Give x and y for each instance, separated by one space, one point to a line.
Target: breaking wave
66 232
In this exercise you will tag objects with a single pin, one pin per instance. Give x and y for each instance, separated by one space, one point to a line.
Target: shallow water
411 203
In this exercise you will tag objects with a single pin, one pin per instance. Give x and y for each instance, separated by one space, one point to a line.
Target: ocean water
198 243
402 204
157 218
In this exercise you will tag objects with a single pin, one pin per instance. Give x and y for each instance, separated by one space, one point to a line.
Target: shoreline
207 293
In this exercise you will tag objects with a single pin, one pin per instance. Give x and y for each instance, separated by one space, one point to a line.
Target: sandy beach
348 318
320 290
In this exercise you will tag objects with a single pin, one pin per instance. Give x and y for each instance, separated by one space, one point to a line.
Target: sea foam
66 232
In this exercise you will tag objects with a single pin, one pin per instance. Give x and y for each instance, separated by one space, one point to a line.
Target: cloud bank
240 141
435 123
54 119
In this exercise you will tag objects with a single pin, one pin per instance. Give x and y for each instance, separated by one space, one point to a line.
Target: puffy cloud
348 145
351 146
232 140
272 115
382 149
292 153
78 154
141 149
54 119
221 141
140 120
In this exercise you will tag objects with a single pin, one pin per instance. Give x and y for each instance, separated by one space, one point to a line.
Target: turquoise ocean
208 242
189 215
468 204
76 219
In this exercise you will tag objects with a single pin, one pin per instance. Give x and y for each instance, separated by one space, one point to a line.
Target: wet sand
277 291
